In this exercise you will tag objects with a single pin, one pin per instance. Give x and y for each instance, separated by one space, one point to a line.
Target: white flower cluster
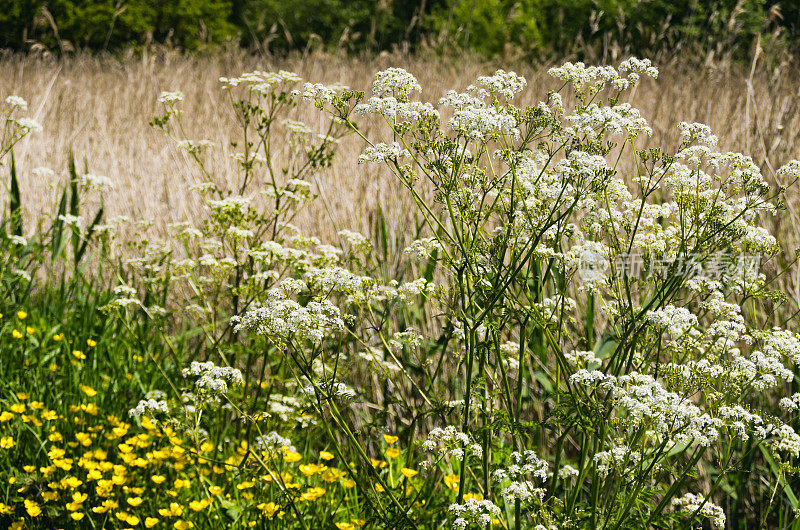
581 358
212 378
691 503
381 152
553 309
170 98
450 442
94 182
699 133
281 318
675 320
16 102
583 170
27 125
390 107
395 82
600 77
195 147
522 469
273 443
262 83
790 403
481 123
148 407
71 220
479 512
322 94
235 205
421 249
622 459
593 121
506 84
356 241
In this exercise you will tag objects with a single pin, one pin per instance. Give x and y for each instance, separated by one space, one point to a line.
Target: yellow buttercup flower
344 526
174 510
89 391
409 473
78 355
451 481
76 516
134 501
325 455
22 315
7 442
292 456
473 496
215 490
390 439
158 479
270 508
392 452
58 337
183 525
313 494
150 522
32 508
16 334
30 331
91 343
199 505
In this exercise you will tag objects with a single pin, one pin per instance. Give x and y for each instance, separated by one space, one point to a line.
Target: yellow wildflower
134 501
409 473
451 481
32 508
292 456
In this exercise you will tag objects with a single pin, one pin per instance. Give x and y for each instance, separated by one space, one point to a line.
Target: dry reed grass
100 108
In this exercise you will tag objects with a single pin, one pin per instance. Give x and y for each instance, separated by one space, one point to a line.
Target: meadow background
89 326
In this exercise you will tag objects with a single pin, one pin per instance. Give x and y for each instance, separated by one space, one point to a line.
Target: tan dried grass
100 108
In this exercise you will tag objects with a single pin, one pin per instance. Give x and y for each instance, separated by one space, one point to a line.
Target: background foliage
492 27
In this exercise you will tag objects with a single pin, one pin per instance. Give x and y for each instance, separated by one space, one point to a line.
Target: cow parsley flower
211 378
478 512
16 102
395 82
691 503
450 442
